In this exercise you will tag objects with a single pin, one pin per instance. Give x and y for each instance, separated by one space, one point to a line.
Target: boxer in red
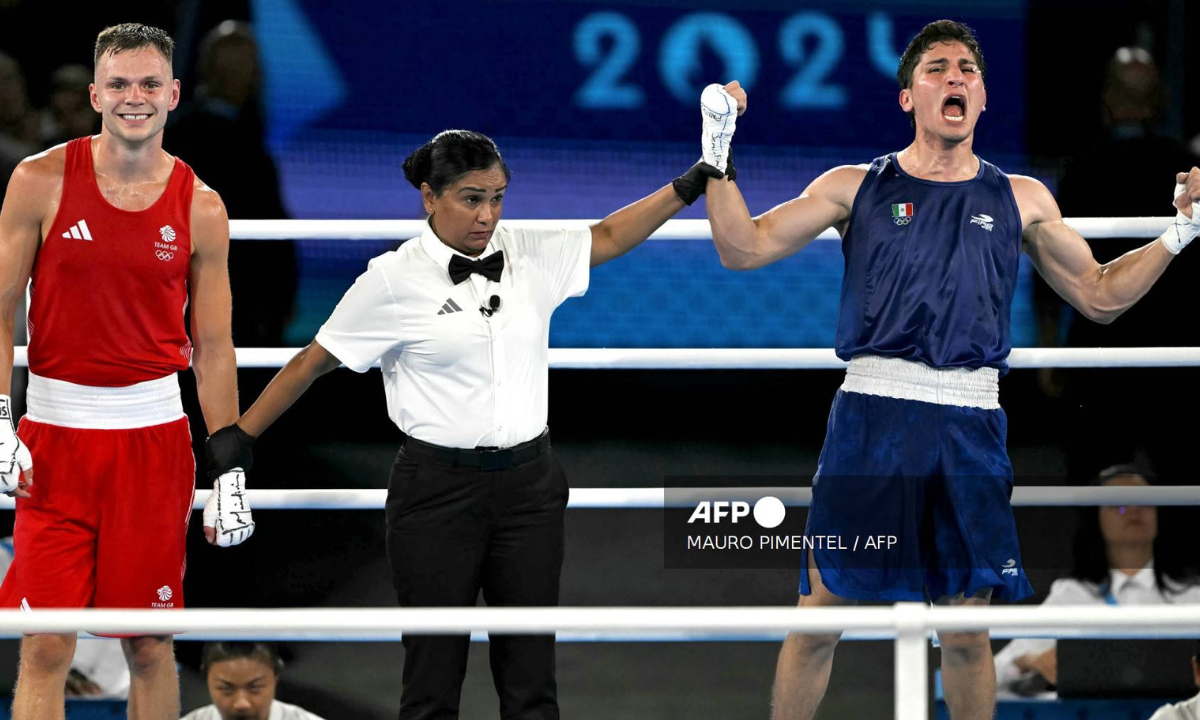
117 237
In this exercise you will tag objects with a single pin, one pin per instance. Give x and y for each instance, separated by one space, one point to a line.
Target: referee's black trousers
453 531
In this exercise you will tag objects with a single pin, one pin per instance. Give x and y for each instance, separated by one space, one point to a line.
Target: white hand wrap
14 456
719 112
1184 229
227 511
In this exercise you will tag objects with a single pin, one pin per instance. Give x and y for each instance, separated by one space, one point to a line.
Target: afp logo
769 512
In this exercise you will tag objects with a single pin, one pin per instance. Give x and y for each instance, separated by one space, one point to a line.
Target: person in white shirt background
1188 709
1117 562
459 320
242 678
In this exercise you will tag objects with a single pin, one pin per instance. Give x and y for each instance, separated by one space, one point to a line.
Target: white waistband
57 402
911 380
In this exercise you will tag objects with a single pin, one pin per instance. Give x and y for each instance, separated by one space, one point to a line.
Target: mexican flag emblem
902 213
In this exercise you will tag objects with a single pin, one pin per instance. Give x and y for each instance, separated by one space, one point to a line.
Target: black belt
484 458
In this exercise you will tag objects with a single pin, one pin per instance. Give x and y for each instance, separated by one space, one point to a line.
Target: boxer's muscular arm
227 517
34 188
1099 292
746 243
213 357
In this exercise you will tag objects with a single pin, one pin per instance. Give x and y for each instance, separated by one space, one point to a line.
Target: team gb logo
167 232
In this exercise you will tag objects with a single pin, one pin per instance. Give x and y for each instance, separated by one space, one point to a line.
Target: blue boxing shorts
911 500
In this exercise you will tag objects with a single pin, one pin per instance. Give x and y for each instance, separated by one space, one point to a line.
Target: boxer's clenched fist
1187 212
16 464
719 109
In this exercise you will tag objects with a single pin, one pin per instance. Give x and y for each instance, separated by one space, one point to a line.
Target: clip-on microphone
493 306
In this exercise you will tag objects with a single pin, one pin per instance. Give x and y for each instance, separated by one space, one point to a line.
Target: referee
459 320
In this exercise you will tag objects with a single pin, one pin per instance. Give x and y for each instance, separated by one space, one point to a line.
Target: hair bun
451 155
418 165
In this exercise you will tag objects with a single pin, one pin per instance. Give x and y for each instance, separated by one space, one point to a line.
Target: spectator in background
1120 559
18 122
242 678
70 114
1188 709
221 132
1110 180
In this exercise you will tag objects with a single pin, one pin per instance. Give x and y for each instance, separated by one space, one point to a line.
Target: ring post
912 662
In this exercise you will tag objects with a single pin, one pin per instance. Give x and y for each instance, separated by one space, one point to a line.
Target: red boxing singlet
110 286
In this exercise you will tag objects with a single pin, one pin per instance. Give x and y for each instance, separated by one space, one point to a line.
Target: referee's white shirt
1186 710
452 376
1137 589
279 711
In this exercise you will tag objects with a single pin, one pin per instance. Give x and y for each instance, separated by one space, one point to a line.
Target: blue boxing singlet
930 268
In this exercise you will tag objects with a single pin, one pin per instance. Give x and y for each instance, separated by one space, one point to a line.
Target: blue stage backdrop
594 105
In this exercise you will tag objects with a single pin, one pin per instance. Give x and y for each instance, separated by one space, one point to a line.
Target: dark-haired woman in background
1118 560
459 320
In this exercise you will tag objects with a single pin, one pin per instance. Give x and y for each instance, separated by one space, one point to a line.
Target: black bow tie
490 267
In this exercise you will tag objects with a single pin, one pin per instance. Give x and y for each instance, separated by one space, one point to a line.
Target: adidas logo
449 307
79 231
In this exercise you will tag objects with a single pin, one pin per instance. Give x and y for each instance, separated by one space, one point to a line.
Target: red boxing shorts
107 524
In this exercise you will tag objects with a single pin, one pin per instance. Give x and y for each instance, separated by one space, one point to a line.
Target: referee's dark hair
216 652
450 155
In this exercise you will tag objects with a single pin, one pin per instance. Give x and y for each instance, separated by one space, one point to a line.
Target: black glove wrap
226 449
691 185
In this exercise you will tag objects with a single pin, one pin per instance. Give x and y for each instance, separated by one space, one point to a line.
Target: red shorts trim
107 524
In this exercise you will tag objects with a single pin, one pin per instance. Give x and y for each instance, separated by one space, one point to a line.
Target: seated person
1188 709
1115 563
241 679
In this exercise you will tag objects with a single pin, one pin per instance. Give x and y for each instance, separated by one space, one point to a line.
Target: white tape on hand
1184 229
718 110
14 456
227 510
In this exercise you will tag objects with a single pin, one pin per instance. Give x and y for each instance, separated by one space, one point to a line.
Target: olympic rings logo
902 221
164 255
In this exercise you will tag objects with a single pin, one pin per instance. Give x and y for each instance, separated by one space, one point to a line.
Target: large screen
595 105
819 74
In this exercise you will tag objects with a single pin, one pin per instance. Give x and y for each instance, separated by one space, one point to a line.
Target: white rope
657 498
909 623
328 624
1096 228
824 359
773 359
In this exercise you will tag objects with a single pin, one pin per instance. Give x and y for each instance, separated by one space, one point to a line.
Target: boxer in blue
915 446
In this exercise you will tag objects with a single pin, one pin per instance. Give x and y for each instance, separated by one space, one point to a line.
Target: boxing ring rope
774 359
656 498
1092 228
909 623
714 359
